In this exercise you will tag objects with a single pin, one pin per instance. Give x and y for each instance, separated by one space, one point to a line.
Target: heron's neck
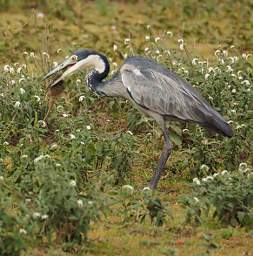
95 76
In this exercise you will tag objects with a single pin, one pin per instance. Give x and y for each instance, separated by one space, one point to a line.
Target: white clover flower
17 104
58 165
127 40
32 54
44 216
146 189
147 38
168 52
13 82
196 180
72 136
246 56
37 98
204 179
80 203
233 91
88 127
194 61
53 146
22 91
115 64
181 47
241 126
169 33
204 168
72 183
90 202
6 143
81 98
36 215
225 53
196 199
222 61
128 188
24 156
46 55
78 81
40 15
215 174
42 123
41 157
246 82
28 200
180 40
6 68
115 47
125 55
65 115
22 231
209 178
129 132
55 64
224 172
59 50
19 70
1 178
229 69
206 76
21 80
243 167
148 26
157 39
157 51
185 130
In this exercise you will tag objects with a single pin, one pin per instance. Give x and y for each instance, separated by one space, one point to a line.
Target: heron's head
78 60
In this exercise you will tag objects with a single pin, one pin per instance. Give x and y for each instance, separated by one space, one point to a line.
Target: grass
110 223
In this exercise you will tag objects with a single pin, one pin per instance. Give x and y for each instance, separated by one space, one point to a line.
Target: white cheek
97 62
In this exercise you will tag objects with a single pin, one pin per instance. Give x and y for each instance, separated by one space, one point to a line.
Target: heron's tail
217 123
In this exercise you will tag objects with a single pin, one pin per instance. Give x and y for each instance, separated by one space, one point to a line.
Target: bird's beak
66 66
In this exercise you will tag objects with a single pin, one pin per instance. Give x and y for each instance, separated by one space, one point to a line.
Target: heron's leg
163 159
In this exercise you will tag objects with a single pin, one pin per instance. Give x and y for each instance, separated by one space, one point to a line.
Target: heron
153 89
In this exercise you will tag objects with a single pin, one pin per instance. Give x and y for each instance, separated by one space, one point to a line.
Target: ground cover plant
72 179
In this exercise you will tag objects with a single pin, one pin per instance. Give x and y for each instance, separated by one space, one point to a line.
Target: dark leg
163 159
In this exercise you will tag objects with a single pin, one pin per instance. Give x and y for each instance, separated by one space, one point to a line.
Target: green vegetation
72 184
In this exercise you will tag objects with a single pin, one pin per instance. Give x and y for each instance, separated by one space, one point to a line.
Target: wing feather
159 92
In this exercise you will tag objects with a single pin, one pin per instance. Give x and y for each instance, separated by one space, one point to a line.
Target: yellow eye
74 58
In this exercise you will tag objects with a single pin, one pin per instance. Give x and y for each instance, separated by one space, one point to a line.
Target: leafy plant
226 197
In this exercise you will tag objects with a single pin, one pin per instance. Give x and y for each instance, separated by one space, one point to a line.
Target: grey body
162 94
152 89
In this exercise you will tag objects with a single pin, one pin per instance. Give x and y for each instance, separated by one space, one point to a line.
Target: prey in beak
62 70
58 74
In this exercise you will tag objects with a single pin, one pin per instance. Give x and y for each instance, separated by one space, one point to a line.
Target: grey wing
159 90
162 94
